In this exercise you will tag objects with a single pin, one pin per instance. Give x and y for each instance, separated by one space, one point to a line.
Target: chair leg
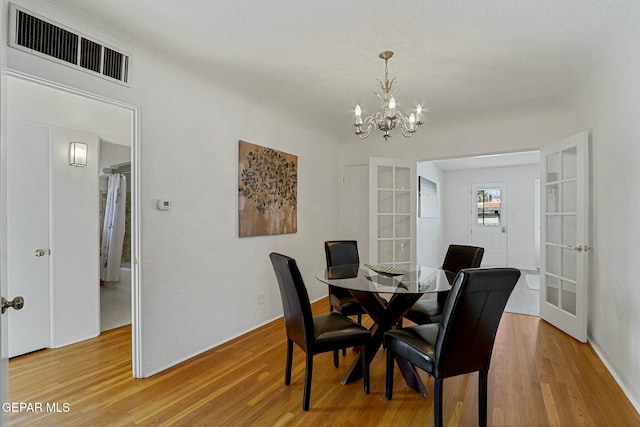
344 352
287 371
336 358
307 382
389 375
365 368
360 319
437 401
483 377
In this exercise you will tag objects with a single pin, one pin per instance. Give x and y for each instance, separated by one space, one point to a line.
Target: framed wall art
267 191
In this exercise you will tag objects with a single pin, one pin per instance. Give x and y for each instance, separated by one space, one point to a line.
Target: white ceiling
317 59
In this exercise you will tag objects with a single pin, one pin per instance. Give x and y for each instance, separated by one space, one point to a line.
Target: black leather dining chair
457 258
313 334
343 252
463 342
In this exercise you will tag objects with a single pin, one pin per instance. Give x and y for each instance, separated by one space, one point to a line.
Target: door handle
16 304
579 248
39 252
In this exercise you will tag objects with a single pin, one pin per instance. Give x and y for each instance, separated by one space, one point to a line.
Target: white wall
430 248
520 208
113 155
200 282
610 107
75 240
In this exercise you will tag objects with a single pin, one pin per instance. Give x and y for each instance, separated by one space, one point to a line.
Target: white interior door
564 235
28 236
355 207
392 212
488 225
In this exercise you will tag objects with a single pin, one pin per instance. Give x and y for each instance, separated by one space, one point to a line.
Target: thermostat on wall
165 205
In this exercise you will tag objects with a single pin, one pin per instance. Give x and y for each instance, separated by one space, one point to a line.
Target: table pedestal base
384 318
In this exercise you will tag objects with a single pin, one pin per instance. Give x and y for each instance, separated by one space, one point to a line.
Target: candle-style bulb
358 115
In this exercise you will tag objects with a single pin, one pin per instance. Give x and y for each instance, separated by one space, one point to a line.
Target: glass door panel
385 177
403 178
385 201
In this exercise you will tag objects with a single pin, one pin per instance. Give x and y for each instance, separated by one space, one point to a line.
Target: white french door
564 234
392 212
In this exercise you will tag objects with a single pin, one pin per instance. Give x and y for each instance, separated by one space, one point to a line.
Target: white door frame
136 324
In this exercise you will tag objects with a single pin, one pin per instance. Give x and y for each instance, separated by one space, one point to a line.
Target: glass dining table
403 290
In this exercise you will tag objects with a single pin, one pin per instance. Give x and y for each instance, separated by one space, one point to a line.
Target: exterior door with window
392 212
564 234
489 221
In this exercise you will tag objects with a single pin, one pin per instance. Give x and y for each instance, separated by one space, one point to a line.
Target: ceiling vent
39 36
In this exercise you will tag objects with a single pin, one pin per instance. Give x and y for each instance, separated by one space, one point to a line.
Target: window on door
489 207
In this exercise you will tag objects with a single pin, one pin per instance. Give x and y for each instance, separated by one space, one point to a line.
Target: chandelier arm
368 123
406 132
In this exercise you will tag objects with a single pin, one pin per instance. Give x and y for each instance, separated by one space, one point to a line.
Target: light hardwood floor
539 377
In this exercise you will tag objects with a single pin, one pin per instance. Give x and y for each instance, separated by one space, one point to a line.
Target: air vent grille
90 55
41 36
38 36
113 66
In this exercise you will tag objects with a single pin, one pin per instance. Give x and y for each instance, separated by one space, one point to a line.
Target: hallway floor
524 300
115 308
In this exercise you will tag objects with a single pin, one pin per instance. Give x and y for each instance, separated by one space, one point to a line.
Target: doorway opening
71 115
459 214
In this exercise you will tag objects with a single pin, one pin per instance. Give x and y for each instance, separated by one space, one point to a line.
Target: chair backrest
457 258
470 320
298 318
462 256
341 252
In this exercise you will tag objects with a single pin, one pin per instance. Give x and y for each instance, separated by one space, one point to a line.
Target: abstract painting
267 191
428 198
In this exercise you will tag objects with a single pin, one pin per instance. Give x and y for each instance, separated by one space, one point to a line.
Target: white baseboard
635 400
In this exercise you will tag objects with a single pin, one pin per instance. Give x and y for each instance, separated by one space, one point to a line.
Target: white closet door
28 236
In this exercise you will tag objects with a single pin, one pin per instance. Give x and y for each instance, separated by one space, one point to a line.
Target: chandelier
391 118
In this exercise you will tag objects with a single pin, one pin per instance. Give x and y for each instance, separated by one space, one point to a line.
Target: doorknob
579 248
16 304
39 252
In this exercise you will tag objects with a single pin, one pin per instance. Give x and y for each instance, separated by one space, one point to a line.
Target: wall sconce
78 154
